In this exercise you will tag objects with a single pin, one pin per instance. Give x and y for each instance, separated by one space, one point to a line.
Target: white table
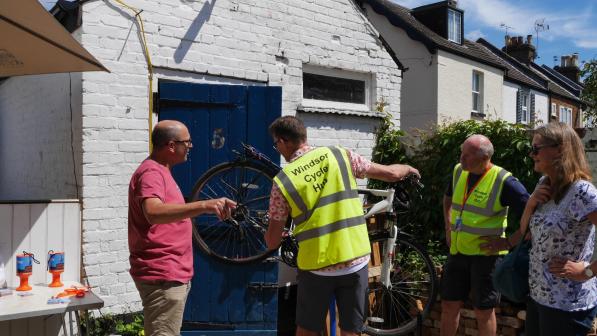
14 307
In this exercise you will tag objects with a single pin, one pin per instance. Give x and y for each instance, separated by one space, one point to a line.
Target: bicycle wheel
241 239
393 309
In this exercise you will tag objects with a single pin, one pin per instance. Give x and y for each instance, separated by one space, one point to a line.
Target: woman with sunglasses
562 214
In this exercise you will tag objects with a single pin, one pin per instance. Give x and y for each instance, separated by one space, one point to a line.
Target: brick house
564 97
450 78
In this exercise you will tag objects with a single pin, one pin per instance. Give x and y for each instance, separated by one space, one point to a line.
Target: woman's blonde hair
571 165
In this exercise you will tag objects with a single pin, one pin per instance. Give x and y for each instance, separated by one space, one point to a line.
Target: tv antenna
540 26
506 27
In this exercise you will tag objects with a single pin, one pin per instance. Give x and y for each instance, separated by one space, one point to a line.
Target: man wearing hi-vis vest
476 206
317 188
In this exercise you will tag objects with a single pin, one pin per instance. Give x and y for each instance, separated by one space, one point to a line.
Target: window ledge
478 115
333 110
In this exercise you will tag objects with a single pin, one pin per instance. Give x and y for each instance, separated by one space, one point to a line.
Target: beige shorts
163 306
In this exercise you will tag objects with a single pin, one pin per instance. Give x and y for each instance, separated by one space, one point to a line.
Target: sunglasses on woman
536 148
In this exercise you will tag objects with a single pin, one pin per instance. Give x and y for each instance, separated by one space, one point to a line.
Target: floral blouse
563 230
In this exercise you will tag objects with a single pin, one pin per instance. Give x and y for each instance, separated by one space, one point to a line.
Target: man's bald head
481 143
475 155
166 131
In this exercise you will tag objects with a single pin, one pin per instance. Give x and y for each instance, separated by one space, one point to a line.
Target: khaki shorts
163 306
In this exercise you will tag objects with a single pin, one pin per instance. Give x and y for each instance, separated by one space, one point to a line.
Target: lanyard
468 194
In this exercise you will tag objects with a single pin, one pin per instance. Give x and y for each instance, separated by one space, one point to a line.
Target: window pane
333 89
454 23
451 25
475 82
524 115
475 102
457 26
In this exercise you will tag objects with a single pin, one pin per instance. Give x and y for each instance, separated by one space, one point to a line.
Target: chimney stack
569 67
524 52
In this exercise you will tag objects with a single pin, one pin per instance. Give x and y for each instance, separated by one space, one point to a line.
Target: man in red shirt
160 230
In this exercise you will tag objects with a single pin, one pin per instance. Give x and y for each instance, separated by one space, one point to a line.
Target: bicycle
405 279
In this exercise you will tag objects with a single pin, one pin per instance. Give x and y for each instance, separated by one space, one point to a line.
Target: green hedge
127 324
435 155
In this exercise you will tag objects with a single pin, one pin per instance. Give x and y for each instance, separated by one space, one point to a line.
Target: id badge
458 224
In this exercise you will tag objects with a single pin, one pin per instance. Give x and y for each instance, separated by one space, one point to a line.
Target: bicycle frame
384 206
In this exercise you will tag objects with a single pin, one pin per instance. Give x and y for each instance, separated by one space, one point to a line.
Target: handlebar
250 152
404 189
397 197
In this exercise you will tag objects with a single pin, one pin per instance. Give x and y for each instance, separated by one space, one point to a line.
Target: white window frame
554 110
478 91
454 26
365 77
525 102
566 115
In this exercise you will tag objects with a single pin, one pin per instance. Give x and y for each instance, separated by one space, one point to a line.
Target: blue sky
572 24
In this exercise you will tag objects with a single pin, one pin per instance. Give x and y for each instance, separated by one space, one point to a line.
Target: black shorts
470 276
315 293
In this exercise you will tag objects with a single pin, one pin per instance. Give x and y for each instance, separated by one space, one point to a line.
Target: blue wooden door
224 299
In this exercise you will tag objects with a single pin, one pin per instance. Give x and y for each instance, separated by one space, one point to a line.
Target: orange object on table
73 291
55 267
25 269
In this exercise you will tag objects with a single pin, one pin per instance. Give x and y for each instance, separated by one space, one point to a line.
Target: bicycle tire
393 311
240 241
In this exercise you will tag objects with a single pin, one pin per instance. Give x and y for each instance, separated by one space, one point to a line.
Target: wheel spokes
243 237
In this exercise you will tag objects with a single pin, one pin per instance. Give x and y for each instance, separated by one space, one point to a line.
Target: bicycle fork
388 257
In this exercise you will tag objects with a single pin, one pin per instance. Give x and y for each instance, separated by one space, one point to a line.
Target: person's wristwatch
589 272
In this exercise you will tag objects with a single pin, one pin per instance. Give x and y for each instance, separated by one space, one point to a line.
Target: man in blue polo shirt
476 205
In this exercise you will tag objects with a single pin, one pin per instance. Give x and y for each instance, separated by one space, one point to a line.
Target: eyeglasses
276 143
536 148
187 143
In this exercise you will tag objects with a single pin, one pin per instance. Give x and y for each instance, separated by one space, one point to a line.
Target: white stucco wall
509 95
541 106
237 41
455 77
541 103
418 104
35 133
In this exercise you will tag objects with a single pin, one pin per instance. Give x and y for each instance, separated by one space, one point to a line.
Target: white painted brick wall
35 137
244 40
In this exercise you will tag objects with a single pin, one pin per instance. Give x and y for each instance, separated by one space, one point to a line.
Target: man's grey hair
486 149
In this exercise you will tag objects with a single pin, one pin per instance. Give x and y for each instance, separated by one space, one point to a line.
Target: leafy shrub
435 156
130 324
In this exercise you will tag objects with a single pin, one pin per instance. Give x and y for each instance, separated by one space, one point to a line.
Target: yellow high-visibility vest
325 207
481 215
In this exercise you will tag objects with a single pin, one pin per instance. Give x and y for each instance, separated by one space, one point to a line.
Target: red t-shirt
159 251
